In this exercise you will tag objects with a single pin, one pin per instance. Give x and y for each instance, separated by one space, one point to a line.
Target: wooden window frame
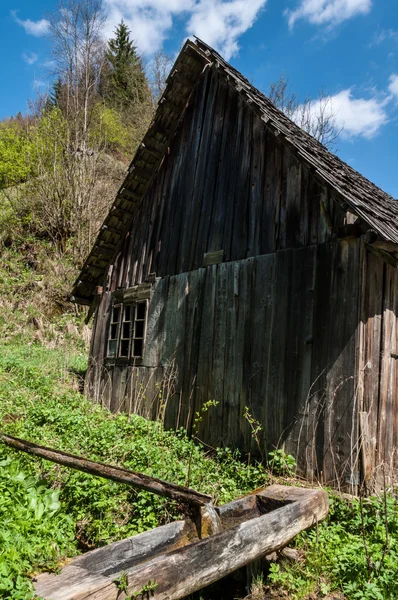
137 327
114 325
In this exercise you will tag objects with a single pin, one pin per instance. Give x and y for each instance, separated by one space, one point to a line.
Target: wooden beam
350 231
138 480
93 307
112 229
134 196
177 573
141 291
102 251
373 238
152 151
79 300
93 268
366 457
386 256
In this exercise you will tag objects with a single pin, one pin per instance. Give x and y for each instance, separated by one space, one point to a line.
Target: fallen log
139 480
170 562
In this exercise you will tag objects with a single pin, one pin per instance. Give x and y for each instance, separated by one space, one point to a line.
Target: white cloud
221 23
393 85
217 22
36 28
357 117
382 35
328 12
30 58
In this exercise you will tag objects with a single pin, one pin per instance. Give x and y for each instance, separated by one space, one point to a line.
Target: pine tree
124 82
56 95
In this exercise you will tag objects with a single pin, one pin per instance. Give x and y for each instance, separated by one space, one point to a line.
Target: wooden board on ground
174 563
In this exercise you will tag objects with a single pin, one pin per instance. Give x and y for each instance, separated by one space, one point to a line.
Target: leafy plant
281 463
50 512
255 426
346 553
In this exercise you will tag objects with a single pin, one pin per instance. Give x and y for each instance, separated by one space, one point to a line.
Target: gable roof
378 209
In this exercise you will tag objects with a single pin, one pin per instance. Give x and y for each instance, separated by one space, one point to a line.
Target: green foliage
354 551
146 591
34 533
60 511
281 463
200 414
15 149
110 127
124 80
255 426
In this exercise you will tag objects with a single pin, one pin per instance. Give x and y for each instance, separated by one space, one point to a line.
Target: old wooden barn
242 262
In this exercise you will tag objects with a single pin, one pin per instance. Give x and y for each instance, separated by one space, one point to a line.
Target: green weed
57 512
354 551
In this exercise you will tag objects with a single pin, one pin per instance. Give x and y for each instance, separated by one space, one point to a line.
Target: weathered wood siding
379 397
276 333
227 184
287 325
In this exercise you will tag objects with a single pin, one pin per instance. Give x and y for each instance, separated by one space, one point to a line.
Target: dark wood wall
378 370
227 184
281 326
276 333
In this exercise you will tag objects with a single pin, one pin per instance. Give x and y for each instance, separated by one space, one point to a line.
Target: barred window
127 330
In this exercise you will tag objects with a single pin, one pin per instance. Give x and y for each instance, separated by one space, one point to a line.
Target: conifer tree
124 82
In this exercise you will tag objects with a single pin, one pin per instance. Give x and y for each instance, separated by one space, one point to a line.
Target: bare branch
315 116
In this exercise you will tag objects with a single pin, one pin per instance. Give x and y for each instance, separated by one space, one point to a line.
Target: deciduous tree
315 115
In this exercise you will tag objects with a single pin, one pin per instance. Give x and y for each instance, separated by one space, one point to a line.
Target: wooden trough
175 560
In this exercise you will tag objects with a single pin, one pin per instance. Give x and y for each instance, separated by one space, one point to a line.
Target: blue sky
348 48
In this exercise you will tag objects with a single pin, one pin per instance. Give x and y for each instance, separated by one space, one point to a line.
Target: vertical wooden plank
231 172
245 314
388 378
232 363
156 324
105 394
116 375
313 209
173 357
312 434
372 320
294 236
214 200
263 328
270 221
176 206
241 193
305 207
212 427
193 315
277 381
341 461
204 380
325 225
299 352
205 168
220 195
256 189
191 166
98 348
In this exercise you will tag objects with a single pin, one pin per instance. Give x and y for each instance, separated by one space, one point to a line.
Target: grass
53 512
49 513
